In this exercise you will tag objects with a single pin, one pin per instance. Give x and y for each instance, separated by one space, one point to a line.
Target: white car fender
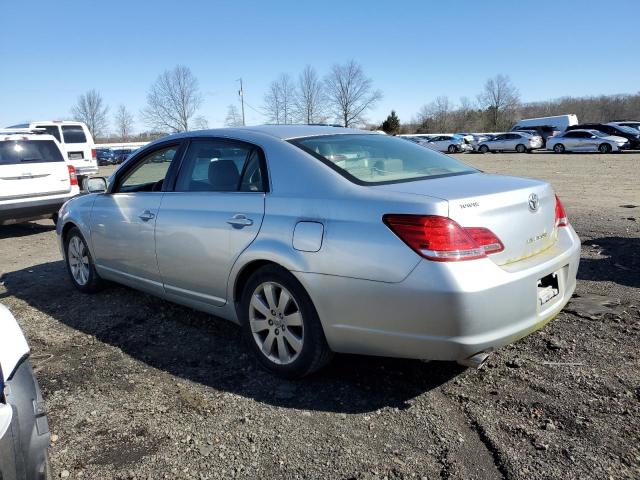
13 345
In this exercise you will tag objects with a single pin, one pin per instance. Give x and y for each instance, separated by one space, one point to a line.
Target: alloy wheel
276 323
78 258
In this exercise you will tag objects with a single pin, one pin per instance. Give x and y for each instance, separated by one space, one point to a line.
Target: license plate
548 289
76 156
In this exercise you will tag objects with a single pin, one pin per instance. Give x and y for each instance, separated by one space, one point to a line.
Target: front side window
220 166
29 151
73 134
376 159
149 172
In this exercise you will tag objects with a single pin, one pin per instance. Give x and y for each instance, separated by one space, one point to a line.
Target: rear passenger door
212 214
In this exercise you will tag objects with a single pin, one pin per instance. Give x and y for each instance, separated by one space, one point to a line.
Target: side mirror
95 184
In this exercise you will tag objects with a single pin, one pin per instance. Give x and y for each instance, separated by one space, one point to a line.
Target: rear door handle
146 216
240 221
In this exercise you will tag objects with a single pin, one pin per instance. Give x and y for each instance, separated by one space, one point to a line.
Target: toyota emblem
533 202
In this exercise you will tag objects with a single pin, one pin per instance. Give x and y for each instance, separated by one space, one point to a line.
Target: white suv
76 142
35 178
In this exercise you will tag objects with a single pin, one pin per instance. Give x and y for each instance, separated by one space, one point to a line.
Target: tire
296 347
79 263
604 148
452 149
483 149
558 148
520 148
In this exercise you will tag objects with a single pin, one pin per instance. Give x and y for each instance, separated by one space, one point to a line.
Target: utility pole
241 93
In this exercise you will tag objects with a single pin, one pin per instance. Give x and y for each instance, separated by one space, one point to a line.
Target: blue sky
413 51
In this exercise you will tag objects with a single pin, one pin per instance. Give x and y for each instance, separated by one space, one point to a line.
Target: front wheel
281 325
558 148
604 148
521 148
79 263
483 149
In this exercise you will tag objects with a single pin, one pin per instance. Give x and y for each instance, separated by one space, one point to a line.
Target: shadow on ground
621 262
207 350
24 230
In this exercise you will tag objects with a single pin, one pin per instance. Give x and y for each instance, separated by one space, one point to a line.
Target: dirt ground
140 388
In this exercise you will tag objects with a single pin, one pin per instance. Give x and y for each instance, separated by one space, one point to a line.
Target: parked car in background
627 123
121 154
448 143
556 123
76 142
24 430
584 140
629 133
105 156
543 131
229 226
35 179
511 141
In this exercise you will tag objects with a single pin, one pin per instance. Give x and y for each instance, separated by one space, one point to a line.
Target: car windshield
633 131
375 159
598 133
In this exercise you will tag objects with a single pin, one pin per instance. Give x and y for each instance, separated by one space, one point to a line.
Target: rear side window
378 159
29 151
73 134
220 166
51 130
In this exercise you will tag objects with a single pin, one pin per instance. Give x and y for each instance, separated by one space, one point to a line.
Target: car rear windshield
377 159
29 151
73 134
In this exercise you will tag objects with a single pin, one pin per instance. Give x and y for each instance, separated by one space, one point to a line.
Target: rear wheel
483 149
452 149
80 264
604 148
558 148
281 325
520 148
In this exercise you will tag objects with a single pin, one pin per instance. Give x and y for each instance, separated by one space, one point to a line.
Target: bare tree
173 101
438 113
310 98
279 100
123 120
501 100
349 93
91 110
234 118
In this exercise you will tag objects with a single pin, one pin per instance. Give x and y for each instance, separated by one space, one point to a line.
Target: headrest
223 175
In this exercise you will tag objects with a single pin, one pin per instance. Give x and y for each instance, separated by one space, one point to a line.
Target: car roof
283 132
26 136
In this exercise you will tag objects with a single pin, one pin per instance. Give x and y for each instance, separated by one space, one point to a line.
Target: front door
123 222
213 214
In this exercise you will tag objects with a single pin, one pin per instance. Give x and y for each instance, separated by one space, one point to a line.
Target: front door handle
240 221
146 216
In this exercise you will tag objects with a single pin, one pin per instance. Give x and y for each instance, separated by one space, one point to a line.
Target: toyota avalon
320 239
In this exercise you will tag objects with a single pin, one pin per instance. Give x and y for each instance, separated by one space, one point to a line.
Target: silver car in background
448 143
511 141
318 240
586 141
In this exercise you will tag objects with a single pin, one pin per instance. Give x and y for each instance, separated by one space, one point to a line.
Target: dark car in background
121 154
105 156
631 134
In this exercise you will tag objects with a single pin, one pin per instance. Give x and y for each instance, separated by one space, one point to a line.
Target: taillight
561 216
94 153
441 239
73 179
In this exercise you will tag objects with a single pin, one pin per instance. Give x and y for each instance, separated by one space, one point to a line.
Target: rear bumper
16 211
87 170
444 310
24 444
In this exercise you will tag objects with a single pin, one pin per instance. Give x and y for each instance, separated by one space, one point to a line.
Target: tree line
344 95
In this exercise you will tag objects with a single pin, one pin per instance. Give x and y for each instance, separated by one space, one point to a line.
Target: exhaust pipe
474 361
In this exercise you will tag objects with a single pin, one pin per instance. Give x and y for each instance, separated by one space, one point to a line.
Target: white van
35 178
76 141
557 123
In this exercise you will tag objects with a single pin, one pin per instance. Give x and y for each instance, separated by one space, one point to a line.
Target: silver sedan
510 141
320 239
586 141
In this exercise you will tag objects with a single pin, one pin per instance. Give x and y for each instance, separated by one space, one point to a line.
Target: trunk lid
499 203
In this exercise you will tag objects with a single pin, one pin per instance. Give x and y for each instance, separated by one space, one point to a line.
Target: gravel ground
140 388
